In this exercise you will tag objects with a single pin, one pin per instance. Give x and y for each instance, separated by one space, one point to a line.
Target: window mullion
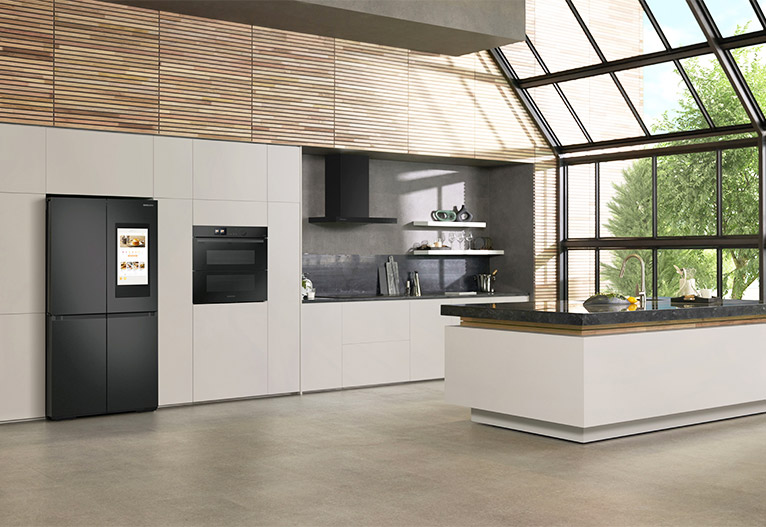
655 274
758 13
719 193
654 197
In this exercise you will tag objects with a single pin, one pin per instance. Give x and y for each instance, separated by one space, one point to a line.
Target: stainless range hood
347 191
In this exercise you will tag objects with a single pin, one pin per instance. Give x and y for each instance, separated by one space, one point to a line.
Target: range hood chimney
347 190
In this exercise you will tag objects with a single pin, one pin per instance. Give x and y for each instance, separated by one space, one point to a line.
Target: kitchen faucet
642 292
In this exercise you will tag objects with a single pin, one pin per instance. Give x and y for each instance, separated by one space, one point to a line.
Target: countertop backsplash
353 274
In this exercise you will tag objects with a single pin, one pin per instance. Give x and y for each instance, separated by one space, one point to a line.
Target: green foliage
686 190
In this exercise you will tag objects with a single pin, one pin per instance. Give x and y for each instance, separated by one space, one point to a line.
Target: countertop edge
505 296
584 320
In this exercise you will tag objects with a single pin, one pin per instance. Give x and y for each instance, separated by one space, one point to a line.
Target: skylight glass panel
557 115
715 90
522 60
752 62
581 201
581 273
677 22
651 42
733 17
605 115
662 99
619 30
559 39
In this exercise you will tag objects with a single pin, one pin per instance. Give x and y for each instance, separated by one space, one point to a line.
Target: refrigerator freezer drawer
76 366
132 362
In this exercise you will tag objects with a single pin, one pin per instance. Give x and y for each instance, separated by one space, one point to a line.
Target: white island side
593 381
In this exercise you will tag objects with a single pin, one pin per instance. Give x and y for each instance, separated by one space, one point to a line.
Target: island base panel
600 433
595 387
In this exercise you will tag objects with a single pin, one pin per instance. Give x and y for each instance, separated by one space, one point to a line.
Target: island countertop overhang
573 318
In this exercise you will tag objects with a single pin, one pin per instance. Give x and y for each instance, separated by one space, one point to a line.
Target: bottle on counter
307 288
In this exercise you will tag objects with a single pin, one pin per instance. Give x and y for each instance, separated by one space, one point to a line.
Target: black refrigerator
101 271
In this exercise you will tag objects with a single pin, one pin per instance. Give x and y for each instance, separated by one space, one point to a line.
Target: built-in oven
230 264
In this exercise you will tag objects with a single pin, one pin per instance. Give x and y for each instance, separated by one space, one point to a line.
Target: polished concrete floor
394 455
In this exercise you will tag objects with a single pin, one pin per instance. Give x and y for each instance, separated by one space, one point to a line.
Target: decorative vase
443 215
462 214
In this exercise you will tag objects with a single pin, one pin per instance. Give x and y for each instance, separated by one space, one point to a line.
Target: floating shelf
451 224
450 252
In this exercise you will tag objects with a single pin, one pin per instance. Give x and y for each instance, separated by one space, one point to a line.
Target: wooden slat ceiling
129 69
205 78
503 129
441 110
371 96
106 61
293 88
26 61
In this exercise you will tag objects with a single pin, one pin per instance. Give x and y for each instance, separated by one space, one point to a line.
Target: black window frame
655 145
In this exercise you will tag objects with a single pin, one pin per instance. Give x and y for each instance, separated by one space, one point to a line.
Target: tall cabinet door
76 256
131 375
76 366
131 255
284 303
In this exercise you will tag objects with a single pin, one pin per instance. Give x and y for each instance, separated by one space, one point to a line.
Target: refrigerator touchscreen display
133 256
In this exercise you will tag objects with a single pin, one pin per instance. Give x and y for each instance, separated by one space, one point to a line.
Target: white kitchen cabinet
427 339
427 332
376 363
230 351
321 346
350 344
22 366
284 305
22 158
231 213
225 170
22 257
172 167
99 163
175 315
284 173
376 321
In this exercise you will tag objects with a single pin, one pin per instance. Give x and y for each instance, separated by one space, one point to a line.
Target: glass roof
567 68
752 62
733 17
677 22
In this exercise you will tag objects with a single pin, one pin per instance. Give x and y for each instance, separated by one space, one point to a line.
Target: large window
695 211
655 111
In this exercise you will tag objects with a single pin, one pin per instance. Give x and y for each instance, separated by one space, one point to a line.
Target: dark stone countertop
366 297
576 315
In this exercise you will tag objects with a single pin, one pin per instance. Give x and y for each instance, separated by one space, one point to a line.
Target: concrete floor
394 455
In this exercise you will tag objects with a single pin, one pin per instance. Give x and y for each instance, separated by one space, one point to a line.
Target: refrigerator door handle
133 314
77 317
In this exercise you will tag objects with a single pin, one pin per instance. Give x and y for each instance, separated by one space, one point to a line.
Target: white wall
196 182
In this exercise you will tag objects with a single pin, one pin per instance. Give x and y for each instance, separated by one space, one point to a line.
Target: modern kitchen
328 262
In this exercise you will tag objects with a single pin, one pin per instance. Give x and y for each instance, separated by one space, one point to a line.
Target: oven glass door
229 254
213 287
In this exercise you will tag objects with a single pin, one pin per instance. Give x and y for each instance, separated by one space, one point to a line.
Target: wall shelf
451 224
450 252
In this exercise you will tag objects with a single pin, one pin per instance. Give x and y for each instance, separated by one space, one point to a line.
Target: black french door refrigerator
101 271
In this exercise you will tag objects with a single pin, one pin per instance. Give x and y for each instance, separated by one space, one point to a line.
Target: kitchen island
559 370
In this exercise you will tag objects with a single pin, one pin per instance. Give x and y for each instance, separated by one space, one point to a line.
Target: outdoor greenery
686 190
